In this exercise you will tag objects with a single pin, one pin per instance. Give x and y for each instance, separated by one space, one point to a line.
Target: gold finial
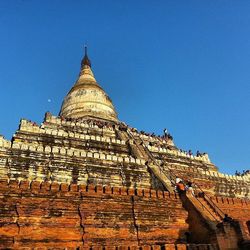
85 49
85 60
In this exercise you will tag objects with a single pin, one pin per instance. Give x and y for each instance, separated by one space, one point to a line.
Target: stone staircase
139 146
211 218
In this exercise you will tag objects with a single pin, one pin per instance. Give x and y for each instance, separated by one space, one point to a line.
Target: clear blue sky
183 65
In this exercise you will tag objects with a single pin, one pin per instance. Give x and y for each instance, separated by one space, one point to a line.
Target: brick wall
56 215
238 209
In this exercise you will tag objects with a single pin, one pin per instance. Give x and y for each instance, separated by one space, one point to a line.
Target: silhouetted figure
165 132
188 236
227 219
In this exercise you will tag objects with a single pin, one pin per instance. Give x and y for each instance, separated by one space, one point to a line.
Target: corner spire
85 60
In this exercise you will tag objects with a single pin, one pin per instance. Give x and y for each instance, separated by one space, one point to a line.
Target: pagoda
86 180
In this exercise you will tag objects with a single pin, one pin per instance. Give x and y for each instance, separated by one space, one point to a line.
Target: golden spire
86 73
85 60
87 98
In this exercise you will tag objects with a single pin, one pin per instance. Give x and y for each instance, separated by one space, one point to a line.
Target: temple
86 180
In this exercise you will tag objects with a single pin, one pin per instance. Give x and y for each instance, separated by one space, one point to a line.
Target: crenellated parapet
87 214
49 188
4 143
145 247
76 152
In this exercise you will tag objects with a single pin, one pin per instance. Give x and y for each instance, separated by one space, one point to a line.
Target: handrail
172 180
220 213
148 153
145 147
205 208
211 203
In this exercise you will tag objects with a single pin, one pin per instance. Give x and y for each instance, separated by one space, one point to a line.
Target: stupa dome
87 98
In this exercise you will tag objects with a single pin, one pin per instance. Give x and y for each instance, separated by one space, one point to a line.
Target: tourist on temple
237 173
180 187
177 180
227 219
165 132
170 137
189 187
